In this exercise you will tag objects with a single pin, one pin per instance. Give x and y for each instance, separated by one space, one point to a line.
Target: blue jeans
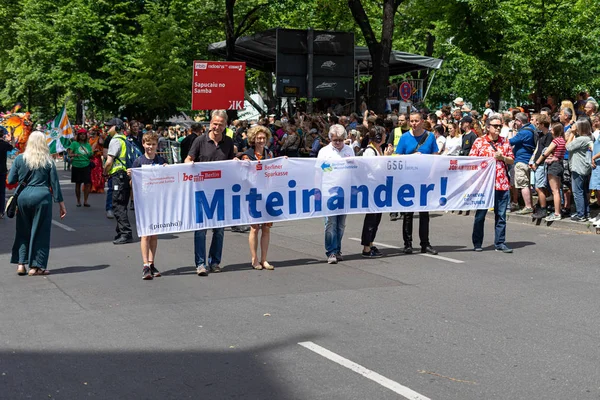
501 199
580 185
2 192
334 231
109 194
216 247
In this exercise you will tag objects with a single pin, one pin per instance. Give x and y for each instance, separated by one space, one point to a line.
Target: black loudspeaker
333 64
291 63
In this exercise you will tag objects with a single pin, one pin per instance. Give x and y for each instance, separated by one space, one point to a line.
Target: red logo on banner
218 85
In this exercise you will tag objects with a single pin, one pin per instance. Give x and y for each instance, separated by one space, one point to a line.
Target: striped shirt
560 149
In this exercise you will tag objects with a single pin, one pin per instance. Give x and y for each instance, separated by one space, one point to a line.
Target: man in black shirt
213 146
186 143
5 147
469 135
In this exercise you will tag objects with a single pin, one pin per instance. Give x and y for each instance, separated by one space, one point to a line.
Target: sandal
257 266
21 270
38 271
86 205
268 266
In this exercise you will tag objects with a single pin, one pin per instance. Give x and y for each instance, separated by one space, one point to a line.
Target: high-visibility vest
229 132
119 162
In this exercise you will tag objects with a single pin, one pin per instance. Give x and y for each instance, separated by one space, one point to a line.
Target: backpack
132 151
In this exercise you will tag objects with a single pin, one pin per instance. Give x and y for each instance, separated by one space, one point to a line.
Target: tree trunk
79 110
380 51
229 30
494 93
254 104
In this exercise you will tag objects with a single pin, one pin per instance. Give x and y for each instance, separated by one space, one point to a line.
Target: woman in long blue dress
34 215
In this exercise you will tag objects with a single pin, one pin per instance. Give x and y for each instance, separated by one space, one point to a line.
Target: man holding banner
418 141
493 145
335 224
213 146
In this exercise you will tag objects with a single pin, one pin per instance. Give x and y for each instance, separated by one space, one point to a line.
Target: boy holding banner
149 243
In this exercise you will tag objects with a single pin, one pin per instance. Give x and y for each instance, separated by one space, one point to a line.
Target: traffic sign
405 91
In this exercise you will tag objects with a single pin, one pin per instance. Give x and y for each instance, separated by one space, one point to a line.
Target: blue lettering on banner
217 203
275 199
336 202
382 197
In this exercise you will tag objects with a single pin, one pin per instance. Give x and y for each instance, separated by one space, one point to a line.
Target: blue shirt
524 143
567 127
408 143
314 151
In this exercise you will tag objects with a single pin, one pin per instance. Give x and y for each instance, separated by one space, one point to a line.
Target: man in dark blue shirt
523 146
417 141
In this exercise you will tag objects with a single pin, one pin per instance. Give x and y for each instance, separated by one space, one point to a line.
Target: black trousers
369 230
120 198
407 228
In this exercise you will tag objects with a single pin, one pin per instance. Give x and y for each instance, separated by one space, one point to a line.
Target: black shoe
123 240
539 213
376 251
429 249
408 250
371 254
146 273
578 219
155 272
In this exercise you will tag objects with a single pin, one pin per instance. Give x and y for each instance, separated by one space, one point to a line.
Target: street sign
405 91
218 85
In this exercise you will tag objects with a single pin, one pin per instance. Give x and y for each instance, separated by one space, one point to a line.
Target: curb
565 223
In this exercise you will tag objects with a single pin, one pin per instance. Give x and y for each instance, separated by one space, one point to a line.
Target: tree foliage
134 57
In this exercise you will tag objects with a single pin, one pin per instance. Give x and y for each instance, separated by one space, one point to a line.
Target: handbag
11 204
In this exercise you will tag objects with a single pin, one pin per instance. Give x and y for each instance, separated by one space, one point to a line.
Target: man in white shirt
335 225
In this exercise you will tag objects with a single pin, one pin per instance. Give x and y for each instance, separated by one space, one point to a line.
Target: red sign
218 85
405 91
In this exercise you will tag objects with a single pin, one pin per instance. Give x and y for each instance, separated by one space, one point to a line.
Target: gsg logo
395 165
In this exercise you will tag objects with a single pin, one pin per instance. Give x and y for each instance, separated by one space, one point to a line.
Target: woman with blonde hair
36 170
258 137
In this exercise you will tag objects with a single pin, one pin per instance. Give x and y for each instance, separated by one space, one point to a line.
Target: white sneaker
110 214
332 259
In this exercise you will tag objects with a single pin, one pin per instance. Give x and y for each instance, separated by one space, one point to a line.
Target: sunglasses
496 126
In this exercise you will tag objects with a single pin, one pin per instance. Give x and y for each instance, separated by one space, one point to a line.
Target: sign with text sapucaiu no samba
218 85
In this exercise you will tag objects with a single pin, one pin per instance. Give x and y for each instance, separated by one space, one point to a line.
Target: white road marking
452 260
66 228
389 246
367 373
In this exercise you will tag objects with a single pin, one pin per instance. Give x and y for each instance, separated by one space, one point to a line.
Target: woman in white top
453 141
377 139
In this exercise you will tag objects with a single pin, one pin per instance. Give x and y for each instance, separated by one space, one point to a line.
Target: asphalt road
467 326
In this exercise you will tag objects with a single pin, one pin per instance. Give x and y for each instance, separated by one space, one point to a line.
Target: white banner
186 197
